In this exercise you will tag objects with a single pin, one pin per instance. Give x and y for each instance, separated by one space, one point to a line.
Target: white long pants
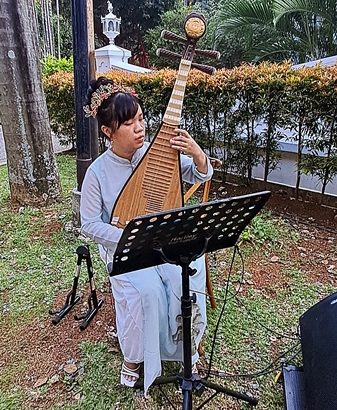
148 315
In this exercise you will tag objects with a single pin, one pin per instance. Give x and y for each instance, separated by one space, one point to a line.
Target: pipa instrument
156 184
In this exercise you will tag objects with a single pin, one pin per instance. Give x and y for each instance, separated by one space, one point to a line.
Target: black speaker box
318 327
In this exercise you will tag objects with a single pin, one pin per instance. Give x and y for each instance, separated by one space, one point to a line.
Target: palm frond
272 29
325 9
245 12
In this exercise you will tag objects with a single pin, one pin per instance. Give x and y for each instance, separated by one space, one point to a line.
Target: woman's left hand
184 143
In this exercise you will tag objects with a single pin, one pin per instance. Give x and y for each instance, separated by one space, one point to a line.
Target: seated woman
148 311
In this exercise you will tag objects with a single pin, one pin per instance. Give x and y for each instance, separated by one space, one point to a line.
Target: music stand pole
189 381
180 236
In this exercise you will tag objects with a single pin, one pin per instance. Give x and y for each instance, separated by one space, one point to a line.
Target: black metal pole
186 312
81 83
92 75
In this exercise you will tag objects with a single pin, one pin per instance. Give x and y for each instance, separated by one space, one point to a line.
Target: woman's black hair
116 109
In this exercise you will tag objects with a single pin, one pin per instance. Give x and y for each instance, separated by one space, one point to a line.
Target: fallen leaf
114 349
40 382
54 379
70 368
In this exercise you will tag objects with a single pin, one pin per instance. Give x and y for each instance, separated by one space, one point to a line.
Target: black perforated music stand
180 236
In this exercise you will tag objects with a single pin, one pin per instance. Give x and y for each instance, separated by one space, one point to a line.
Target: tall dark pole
92 75
79 10
84 72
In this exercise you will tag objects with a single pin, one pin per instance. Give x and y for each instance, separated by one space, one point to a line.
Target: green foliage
324 168
264 229
34 239
321 161
266 320
280 29
59 91
107 392
51 65
37 263
235 114
10 401
62 29
59 27
138 18
172 20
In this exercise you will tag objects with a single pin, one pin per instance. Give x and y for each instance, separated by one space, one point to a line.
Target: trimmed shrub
238 115
59 91
51 65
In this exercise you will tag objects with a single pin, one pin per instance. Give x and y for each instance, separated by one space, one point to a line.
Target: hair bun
94 86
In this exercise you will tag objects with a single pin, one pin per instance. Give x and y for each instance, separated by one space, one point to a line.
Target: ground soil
282 203
47 348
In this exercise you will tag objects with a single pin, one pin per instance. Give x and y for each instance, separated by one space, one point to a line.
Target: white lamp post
111 24
112 56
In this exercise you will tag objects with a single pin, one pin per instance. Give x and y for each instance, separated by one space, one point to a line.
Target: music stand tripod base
72 298
180 236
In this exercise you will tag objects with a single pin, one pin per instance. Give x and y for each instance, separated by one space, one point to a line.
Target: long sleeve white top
103 181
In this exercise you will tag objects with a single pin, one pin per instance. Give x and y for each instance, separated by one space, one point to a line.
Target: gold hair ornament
102 93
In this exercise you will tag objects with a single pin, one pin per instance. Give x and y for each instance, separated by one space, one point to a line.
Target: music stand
180 236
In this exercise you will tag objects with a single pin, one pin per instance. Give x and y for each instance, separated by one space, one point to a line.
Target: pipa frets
175 105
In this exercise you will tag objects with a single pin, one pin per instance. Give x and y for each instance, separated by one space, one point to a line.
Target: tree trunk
328 156
270 128
33 174
48 32
299 157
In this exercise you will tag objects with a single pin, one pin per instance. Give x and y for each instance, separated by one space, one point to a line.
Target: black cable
271 367
283 335
166 397
240 280
221 313
267 370
247 310
242 273
254 319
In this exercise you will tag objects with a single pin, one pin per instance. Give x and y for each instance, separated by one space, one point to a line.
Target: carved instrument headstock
195 28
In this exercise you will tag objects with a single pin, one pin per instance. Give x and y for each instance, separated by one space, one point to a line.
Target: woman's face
129 136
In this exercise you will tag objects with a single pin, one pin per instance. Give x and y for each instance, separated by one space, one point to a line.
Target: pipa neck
173 111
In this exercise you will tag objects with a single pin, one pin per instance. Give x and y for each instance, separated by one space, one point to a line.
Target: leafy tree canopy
299 30
138 17
232 46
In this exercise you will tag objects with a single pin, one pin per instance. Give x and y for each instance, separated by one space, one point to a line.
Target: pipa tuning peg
162 52
168 35
208 53
204 68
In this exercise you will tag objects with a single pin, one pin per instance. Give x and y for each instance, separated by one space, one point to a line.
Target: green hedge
51 65
223 111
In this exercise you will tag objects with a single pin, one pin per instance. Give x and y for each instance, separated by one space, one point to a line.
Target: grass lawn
283 268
